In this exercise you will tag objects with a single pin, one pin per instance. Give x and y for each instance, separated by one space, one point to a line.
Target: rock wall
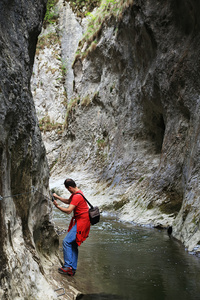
52 78
26 233
131 132
134 124
146 77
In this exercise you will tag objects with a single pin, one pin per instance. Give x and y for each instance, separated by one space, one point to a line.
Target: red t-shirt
80 203
81 217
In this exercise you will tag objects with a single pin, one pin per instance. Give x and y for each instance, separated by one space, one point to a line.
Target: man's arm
64 200
67 210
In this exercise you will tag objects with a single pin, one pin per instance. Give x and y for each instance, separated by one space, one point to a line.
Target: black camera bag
94 212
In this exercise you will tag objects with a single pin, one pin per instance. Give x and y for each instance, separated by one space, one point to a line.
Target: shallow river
121 261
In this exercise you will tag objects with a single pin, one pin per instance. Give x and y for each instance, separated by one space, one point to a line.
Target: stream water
122 261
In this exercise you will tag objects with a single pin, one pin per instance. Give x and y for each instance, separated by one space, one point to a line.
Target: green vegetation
53 164
107 207
63 67
82 7
51 15
71 108
172 205
102 150
65 101
101 143
116 205
141 179
107 9
72 104
150 205
85 101
45 125
47 40
119 204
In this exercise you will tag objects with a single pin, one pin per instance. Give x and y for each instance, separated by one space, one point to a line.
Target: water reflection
121 261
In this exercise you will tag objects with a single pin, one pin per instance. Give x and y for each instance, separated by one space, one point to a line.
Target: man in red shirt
78 229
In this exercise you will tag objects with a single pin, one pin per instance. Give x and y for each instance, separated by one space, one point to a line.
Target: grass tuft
106 10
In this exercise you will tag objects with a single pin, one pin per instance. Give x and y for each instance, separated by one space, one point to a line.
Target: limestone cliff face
134 123
52 78
131 131
25 229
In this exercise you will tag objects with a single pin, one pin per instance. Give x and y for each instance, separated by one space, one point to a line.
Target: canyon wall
26 232
142 82
131 131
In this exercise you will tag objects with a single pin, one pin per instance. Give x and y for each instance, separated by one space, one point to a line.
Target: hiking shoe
67 271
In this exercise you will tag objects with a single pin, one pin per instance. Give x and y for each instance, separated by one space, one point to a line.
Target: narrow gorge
111 97
128 126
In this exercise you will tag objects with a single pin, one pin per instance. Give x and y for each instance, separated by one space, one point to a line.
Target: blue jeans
70 249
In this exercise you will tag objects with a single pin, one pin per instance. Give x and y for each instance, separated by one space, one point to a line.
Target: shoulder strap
85 199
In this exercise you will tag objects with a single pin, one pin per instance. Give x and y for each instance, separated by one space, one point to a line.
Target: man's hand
64 200
55 195
55 203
